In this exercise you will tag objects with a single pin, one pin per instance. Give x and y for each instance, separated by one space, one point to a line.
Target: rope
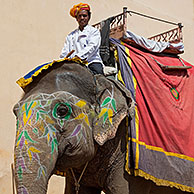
77 185
158 19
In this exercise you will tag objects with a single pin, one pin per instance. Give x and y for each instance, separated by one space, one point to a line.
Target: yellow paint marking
80 116
30 155
48 137
86 120
102 112
34 104
26 117
81 103
110 114
49 120
34 150
26 143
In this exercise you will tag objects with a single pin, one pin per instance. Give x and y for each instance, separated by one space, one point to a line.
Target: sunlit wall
33 31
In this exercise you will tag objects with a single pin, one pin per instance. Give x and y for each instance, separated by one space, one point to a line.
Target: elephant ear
114 104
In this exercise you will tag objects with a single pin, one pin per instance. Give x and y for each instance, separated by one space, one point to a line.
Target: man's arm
66 48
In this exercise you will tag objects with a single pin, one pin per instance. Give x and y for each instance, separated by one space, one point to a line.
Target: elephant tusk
13 177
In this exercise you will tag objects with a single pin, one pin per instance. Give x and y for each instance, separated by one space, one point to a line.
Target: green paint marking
37 116
105 117
28 137
113 102
61 122
17 124
27 108
42 111
39 172
20 172
56 145
106 101
20 136
52 147
35 131
55 110
45 132
48 102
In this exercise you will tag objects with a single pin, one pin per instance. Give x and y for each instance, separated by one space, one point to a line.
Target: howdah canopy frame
118 28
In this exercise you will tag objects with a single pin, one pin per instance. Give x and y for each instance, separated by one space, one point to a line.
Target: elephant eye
62 111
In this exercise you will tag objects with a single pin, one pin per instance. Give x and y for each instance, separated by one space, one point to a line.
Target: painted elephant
72 121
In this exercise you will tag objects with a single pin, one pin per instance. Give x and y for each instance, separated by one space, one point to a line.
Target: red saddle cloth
165 102
161 135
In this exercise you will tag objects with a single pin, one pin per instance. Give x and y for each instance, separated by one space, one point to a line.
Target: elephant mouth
74 154
69 149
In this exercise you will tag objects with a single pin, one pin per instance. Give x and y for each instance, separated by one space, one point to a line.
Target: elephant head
64 114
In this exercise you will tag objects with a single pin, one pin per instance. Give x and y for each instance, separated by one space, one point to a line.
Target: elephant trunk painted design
39 120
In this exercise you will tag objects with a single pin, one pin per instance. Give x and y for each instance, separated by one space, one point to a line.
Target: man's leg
96 68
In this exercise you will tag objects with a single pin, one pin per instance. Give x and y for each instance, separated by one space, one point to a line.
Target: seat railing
172 36
118 28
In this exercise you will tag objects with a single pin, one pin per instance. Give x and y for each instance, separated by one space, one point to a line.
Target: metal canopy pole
154 18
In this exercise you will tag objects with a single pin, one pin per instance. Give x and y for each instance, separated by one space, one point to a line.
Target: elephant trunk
33 164
36 150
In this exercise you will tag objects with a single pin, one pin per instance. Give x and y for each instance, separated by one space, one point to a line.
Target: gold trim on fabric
127 145
136 112
120 77
154 148
161 182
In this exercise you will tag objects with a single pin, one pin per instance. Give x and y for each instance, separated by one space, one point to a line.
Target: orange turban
76 8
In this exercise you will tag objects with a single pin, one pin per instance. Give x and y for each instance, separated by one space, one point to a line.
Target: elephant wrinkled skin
66 118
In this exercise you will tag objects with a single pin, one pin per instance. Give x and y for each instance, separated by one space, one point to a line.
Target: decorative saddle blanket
28 78
161 135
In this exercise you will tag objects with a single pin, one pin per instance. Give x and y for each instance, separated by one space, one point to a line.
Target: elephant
71 121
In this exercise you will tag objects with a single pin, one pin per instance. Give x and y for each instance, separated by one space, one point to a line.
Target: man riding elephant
85 40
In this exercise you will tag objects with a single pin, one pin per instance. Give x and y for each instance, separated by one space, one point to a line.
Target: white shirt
86 44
